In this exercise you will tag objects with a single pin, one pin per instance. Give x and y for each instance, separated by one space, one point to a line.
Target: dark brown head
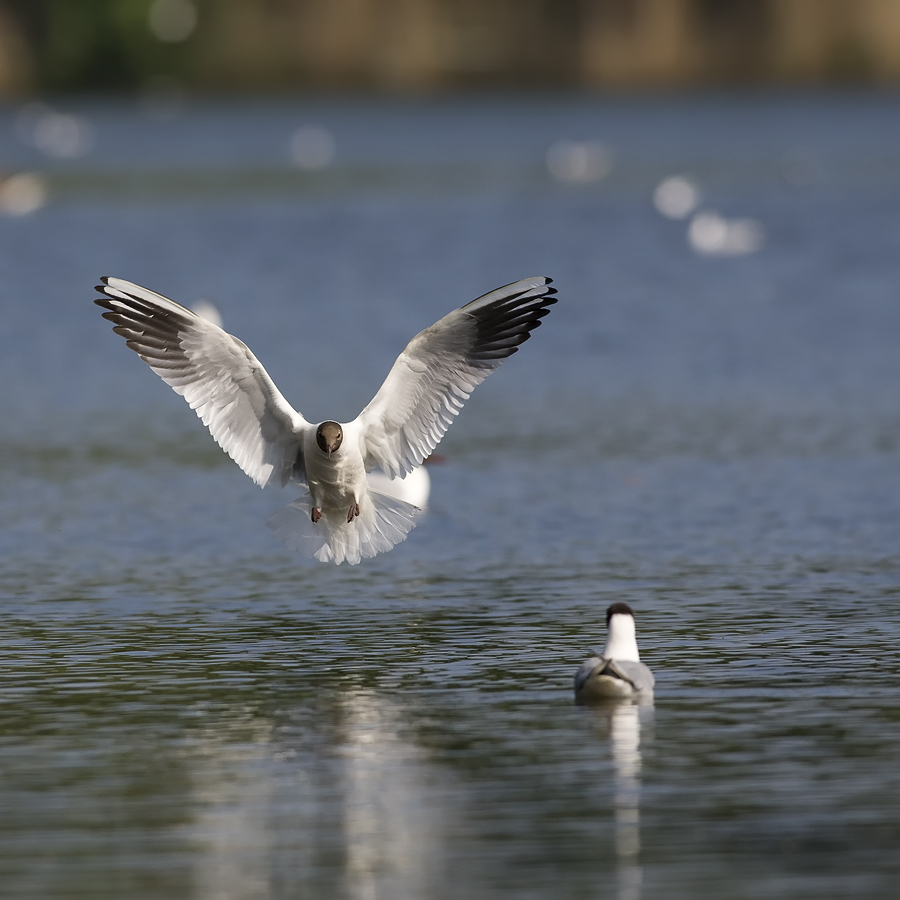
329 436
616 609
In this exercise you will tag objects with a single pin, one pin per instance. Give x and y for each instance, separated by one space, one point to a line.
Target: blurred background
706 426
416 45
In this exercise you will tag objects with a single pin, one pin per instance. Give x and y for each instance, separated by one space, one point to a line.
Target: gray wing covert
637 673
585 670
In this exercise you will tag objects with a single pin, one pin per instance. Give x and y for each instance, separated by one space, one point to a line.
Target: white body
336 483
339 480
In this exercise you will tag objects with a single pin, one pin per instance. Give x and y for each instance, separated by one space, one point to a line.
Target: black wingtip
102 287
547 295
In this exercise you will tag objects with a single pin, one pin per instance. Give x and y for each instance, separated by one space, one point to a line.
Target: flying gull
339 518
618 672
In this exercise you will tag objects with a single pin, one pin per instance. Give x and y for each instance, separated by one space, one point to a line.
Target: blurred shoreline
428 45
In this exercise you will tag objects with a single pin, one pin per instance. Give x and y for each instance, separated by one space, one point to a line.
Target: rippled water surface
186 710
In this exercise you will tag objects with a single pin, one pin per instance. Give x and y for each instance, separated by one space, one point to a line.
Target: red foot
354 512
316 515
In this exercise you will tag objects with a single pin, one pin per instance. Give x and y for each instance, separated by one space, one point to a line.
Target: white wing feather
218 375
440 367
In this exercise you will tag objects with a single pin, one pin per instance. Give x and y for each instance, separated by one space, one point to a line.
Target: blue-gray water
186 710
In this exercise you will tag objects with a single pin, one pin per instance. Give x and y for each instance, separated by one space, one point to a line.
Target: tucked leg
315 515
353 513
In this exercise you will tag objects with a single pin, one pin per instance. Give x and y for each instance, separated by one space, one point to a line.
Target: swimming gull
618 672
339 518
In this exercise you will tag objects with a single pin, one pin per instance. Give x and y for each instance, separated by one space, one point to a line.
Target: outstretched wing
441 366
224 383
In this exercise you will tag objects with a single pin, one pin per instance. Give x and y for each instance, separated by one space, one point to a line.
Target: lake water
187 710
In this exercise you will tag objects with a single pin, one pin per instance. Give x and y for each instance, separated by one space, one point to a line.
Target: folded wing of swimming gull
218 375
635 674
441 366
584 672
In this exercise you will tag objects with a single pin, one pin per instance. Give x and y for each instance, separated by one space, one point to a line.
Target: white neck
621 642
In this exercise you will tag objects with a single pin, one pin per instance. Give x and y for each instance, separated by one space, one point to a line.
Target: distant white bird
339 518
414 488
209 311
618 672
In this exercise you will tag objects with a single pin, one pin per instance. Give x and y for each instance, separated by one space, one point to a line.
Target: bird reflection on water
269 803
624 720
392 836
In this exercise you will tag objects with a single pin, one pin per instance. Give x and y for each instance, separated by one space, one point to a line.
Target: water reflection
624 722
359 813
55 134
676 197
22 193
625 739
710 234
393 835
312 147
579 161
232 789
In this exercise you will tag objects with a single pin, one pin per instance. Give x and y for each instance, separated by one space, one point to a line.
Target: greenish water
186 710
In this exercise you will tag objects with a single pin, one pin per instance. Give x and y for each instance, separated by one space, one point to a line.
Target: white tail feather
382 523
